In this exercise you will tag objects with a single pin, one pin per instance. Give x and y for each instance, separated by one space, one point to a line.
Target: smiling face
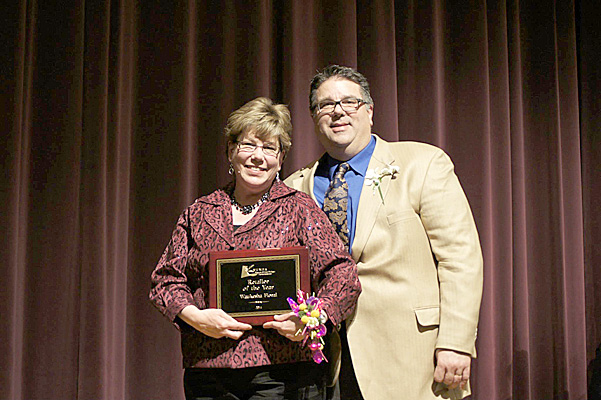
254 170
343 134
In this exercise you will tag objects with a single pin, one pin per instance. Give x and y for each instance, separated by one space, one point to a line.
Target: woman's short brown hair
264 119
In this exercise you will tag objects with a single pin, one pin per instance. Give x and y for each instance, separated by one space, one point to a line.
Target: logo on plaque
252 271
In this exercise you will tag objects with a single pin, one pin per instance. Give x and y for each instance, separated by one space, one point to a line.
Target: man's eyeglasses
349 105
268 148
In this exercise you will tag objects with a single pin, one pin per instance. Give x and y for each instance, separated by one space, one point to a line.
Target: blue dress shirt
354 178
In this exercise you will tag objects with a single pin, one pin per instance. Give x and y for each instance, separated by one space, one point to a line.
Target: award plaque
253 285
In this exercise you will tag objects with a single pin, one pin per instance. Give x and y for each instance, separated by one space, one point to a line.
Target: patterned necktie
335 203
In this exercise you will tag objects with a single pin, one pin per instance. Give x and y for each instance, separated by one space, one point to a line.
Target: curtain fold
16 84
589 85
114 112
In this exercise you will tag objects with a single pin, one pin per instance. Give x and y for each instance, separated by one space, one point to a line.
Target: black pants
297 381
347 387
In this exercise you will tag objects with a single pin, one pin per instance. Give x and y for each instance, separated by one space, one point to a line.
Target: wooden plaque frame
253 285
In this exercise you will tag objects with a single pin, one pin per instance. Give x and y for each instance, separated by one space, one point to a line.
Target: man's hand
213 322
287 325
452 368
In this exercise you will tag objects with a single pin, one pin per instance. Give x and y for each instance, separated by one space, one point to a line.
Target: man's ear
370 112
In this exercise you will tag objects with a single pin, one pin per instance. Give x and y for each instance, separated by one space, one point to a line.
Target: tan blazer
420 267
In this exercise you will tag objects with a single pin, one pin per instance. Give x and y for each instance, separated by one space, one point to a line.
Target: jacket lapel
370 201
305 179
220 219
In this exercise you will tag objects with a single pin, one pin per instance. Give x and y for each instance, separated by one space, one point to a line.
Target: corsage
309 310
373 177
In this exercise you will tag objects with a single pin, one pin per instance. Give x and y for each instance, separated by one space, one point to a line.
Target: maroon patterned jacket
288 218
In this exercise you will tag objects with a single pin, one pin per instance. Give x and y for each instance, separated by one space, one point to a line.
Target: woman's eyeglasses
268 148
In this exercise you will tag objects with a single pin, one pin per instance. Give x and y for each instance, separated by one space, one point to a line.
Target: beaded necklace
245 210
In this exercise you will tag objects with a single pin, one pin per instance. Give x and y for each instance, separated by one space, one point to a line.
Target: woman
224 358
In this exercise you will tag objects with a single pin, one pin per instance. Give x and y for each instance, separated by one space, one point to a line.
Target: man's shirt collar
358 163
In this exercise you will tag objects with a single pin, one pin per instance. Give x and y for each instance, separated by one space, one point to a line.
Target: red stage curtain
113 117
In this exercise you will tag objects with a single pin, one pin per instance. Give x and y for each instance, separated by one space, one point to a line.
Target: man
410 230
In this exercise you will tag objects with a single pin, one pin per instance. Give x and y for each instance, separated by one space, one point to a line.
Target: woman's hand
287 325
213 322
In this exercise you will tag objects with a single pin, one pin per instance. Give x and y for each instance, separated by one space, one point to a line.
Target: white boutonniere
374 177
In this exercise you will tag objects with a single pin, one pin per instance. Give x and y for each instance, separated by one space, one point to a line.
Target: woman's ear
231 146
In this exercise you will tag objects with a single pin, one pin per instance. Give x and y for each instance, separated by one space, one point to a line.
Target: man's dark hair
340 72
